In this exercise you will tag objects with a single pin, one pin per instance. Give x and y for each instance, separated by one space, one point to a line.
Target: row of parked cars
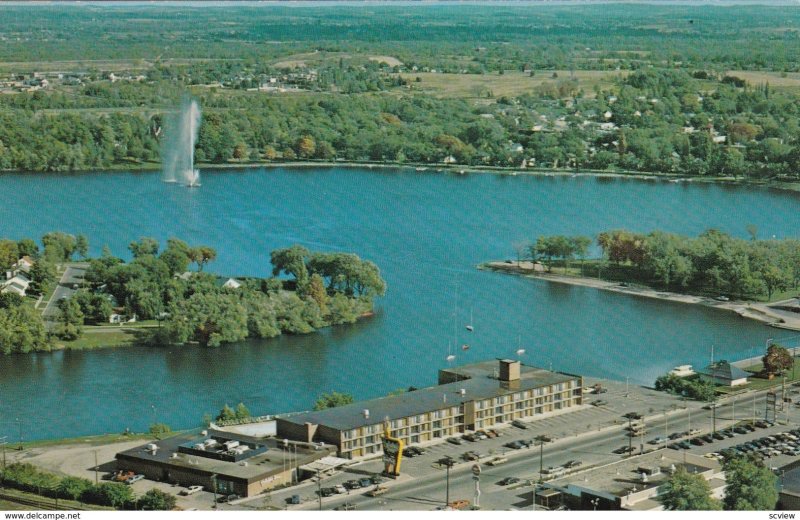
719 435
785 443
341 489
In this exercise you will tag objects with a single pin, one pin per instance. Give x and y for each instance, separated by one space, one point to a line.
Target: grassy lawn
98 339
760 383
509 84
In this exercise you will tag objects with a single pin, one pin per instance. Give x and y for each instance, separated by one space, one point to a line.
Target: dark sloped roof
724 370
481 386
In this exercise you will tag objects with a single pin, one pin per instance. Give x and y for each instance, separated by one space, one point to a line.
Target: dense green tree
157 500
685 491
43 275
291 261
777 359
58 246
22 330
144 246
332 400
749 486
70 320
82 245
73 488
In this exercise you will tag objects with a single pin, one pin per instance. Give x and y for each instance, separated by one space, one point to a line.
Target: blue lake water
426 232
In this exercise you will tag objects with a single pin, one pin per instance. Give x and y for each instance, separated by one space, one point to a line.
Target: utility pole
666 428
542 439
319 489
214 484
19 422
96 479
448 463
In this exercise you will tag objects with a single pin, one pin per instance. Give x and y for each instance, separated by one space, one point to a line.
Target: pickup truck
378 491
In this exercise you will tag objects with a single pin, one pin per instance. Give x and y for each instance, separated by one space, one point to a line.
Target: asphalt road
423 483
70 279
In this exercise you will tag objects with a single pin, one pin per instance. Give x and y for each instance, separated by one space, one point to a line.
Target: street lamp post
542 439
448 463
19 422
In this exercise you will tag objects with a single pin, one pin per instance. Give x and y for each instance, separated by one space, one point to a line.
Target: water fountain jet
178 145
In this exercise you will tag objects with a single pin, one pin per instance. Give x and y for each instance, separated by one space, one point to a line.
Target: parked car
378 491
352 484
598 402
624 449
347 506
471 455
497 461
514 445
340 489
693 431
408 452
469 437
191 490
519 424
134 478
675 436
327 492
365 482
295 499
507 481
697 441
455 440
657 440
493 433
377 479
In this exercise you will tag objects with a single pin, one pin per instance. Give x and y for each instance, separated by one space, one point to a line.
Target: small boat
469 327
421 169
450 357
465 347
520 351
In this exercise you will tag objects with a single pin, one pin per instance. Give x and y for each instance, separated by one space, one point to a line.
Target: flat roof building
221 461
632 484
470 397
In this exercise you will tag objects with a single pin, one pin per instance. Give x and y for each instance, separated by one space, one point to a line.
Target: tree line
320 289
712 263
27 477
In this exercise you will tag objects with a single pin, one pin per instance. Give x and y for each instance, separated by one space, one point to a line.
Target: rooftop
481 383
252 468
624 478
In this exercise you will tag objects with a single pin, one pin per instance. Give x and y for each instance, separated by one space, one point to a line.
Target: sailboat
450 355
469 325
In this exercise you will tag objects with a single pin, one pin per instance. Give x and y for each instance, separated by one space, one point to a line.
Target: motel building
467 398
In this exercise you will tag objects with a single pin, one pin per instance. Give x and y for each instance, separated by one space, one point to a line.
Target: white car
135 478
340 489
191 490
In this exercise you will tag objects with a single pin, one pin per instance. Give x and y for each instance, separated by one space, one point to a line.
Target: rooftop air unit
229 445
152 447
463 392
366 413
200 446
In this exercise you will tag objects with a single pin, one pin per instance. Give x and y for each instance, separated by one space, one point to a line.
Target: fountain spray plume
178 144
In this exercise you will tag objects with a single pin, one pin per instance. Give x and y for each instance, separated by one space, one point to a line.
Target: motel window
518 396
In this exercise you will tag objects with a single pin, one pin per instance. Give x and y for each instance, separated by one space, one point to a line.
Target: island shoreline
750 310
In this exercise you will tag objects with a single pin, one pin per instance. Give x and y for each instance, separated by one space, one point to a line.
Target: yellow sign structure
392 451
